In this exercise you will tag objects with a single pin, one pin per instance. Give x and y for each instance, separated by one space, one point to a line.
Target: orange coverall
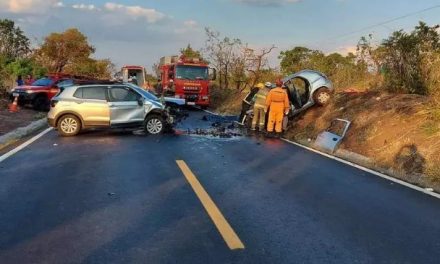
278 102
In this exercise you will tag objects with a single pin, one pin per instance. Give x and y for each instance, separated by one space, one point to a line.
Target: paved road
112 197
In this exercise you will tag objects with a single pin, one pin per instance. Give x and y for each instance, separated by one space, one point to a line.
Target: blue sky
140 32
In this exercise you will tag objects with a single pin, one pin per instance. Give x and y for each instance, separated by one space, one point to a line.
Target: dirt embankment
398 132
10 121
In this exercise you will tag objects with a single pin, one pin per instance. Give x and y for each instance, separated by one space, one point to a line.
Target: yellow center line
228 234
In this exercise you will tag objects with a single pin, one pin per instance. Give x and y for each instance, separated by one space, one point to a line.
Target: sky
135 32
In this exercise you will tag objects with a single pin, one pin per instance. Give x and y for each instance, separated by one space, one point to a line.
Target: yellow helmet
260 85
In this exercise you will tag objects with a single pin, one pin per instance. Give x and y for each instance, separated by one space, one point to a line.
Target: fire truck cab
185 78
136 75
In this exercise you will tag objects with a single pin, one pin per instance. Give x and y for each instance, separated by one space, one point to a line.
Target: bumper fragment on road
228 234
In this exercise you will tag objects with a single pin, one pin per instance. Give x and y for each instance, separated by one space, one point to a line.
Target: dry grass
226 101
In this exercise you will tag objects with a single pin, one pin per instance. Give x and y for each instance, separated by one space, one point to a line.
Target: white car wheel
69 125
322 97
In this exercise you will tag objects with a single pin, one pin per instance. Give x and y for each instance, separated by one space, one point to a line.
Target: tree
408 59
13 43
256 62
298 58
99 69
189 52
223 53
25 67
63 49
344 71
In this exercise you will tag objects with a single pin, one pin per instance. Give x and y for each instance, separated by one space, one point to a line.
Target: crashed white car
307 88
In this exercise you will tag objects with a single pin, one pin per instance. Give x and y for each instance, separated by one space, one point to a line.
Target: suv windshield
192 73
43 82
147 94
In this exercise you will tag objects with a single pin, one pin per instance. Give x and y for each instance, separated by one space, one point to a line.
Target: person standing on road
278 102
260 107
246 104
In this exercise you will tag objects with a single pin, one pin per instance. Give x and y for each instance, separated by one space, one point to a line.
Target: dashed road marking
228 234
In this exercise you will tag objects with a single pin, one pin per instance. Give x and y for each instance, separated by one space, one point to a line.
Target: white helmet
268 84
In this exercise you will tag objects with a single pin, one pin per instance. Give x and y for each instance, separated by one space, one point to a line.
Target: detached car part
330 139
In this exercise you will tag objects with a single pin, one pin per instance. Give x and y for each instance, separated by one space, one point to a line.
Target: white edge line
409 185
24 145
406 184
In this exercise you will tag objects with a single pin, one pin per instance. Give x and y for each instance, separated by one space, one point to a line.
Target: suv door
125 106
92 105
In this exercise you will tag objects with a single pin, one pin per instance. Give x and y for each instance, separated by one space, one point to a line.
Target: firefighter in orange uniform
278 103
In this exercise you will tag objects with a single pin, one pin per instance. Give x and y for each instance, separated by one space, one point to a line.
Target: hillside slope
398 132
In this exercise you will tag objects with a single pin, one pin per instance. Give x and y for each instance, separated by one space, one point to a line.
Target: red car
39 94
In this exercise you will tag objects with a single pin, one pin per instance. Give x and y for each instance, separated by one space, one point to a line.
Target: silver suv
115 105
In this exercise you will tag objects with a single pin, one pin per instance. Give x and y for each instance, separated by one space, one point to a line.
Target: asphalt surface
115 197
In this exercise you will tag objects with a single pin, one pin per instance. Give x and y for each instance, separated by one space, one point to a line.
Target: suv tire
69 125
154 124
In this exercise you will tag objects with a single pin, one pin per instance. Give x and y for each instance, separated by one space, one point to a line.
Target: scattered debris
221 127
219 119
216 132
139 132
55 144
111 194
429 189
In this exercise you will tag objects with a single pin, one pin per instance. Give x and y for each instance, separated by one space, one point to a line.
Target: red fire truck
185 78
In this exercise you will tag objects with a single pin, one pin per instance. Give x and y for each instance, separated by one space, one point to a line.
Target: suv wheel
322 97
69 125
154 124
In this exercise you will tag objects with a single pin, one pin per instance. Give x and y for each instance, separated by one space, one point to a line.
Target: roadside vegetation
66 52
390 91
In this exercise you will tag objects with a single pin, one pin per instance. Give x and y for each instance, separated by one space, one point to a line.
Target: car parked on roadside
40 92
305 89
107 105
